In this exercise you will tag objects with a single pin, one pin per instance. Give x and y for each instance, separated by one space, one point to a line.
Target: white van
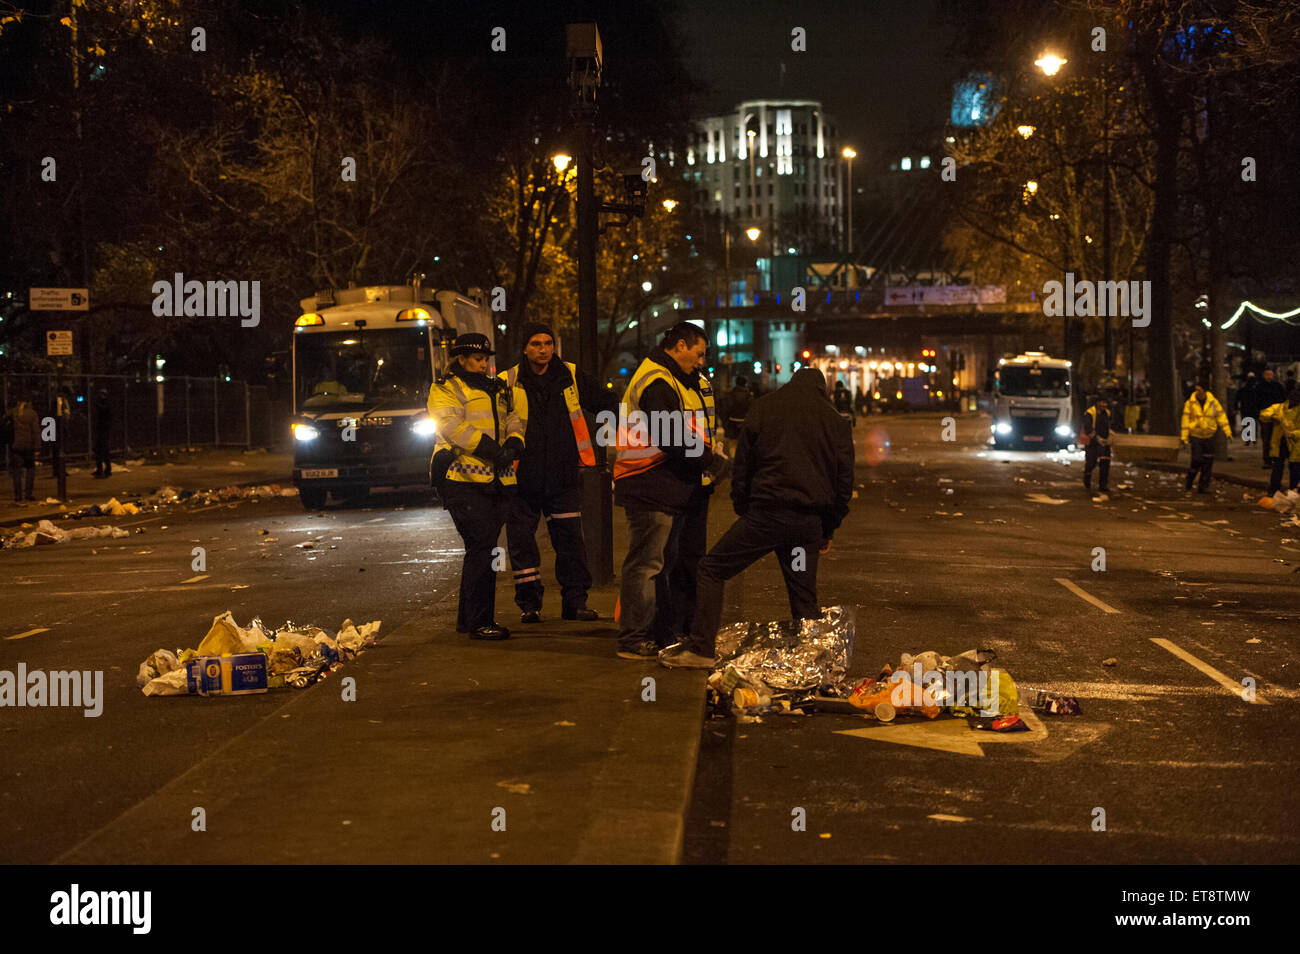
1032 406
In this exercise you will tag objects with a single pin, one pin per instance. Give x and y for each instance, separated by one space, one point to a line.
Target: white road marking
1233 687
194 579
939 816
949 735
30 632
1084 595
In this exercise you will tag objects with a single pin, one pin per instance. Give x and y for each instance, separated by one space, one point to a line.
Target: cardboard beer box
236 675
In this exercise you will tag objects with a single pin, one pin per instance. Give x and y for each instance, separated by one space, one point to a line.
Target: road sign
58 342
59 299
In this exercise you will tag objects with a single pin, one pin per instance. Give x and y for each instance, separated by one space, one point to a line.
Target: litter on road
233 660
784 668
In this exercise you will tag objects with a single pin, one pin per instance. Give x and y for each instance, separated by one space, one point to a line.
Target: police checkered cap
472 344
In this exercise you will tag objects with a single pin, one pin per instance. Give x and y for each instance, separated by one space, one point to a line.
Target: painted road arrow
949 735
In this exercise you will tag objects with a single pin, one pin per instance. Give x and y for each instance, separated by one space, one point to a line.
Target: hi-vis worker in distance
557 444
481 422
1095 438
1284 441
1202 416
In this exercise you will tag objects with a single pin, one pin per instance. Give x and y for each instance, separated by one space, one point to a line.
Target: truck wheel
312 499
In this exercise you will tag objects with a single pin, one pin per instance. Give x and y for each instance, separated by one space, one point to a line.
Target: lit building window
925 162
906 164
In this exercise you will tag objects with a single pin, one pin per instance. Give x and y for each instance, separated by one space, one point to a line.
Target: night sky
878 65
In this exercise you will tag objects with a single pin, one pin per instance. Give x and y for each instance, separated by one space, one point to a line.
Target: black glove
510 451
486 448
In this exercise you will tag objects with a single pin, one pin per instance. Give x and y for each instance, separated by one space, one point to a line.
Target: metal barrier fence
178 411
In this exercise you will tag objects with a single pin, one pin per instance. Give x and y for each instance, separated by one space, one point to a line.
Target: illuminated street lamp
670 204
1050 63
753 233
849 155
561 161
1025 131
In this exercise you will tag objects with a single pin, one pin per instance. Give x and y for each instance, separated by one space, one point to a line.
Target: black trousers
1096 456
676 608
103 460
792 536
564 524
479 513
1275 478
1202 461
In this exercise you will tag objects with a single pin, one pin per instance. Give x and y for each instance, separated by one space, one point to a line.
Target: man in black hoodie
556 445
791 484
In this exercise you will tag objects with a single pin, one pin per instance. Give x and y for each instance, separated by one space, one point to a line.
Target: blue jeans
651 553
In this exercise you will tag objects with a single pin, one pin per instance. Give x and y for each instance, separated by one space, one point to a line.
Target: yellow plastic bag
223 638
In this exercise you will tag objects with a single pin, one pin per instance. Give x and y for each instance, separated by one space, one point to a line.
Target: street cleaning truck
363 362
1031 403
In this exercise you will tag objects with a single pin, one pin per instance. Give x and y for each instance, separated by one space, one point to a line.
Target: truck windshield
362 369
1034 382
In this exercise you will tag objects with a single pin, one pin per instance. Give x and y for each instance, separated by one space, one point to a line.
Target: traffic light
806 354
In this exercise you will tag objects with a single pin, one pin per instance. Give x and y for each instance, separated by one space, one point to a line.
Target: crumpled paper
788 655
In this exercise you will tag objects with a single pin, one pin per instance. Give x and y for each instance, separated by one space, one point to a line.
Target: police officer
557 443
480 424
1095 439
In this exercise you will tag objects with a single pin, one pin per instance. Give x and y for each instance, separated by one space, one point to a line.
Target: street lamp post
583 48
850 155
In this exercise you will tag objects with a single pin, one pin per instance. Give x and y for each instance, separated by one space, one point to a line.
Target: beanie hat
533 328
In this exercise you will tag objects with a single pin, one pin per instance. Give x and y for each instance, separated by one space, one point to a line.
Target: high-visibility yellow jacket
711 416
1286 426
636 454
1202 420
573 402
464 415
1089 432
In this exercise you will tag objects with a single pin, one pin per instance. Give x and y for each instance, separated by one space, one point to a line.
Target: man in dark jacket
791 485
1270 392
556 445
1095 438
101 429
22 450
662 453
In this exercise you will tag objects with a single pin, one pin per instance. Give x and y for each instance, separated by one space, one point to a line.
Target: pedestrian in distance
557 445
24 433
844 403
1271 392
101 428
480 425
791 483
1202 416
1285 437
1095 438
736 406
657 471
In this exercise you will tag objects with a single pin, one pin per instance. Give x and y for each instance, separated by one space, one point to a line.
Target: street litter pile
789 668
237 660
1280 502
46 532
167 496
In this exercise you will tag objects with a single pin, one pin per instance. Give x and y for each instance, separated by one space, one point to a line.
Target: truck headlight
1062 430
305 432
424 427
1004 427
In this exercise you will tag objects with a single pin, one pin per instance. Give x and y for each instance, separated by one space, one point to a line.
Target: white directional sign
58 342
59 299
